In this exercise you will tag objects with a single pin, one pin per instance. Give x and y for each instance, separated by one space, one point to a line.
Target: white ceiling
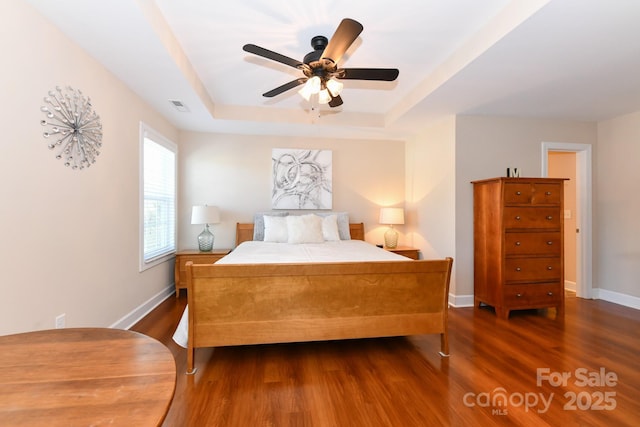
564 59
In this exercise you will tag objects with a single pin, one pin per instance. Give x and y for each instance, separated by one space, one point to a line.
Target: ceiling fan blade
266 53
385 74
285 87
336 101
346 33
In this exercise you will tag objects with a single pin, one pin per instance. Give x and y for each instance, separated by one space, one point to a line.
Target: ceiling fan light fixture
324 97
321 65
312 86
334 86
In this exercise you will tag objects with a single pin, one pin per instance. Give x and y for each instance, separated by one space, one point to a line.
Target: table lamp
390 217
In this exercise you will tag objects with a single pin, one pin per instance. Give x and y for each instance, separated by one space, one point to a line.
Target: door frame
584 194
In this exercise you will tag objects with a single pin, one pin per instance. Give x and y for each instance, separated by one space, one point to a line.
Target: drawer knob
549 217
518 193
548 193
517 217
549 243
549 267
518 295
550 294
518 243
518 269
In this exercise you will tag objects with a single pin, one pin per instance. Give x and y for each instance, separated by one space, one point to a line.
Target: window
158 198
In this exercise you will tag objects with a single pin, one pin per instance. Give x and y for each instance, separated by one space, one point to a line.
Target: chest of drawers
518 244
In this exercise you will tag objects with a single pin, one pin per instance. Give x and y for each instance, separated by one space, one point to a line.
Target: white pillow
275 229
330 228
304 229
343 223
258 223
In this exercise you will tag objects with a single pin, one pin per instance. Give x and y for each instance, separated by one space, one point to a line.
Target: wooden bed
239 304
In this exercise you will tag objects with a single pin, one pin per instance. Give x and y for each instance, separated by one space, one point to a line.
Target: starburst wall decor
71 119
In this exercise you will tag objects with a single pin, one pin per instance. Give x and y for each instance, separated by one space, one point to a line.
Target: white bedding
256 252
338 251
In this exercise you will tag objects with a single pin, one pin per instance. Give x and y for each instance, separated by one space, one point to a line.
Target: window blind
159 205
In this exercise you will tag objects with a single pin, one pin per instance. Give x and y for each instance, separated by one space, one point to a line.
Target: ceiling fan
320 67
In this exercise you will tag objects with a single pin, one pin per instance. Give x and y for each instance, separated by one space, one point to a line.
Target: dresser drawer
547 243
520 193
516 193
546 194
532 295
526 217
196 259
532 269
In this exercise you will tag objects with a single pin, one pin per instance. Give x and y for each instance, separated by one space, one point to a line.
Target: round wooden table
84 377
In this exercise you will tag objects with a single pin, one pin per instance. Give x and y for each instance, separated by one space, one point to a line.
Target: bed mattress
255 252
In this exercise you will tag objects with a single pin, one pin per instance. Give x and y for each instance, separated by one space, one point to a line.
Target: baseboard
145 308
597 293
461 300
569 285
616 298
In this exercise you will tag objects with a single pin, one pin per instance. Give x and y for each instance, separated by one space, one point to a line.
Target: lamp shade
205 215
334 86
311 87
391 216
324 97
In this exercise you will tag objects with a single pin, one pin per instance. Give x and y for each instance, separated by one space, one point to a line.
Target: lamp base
391 238
205 240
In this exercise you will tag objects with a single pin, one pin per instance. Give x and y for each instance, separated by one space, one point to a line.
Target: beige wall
430 192
485 148
69 239
233 172
617 241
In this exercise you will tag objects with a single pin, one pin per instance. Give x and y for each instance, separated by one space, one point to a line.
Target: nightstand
407 251
180 270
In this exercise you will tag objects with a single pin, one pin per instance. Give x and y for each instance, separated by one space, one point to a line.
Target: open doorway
562 164
559 160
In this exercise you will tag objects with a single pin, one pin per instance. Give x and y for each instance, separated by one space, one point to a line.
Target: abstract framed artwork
301 179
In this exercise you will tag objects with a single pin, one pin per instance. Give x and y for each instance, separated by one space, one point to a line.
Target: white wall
485 148
617 241
68 239
233 172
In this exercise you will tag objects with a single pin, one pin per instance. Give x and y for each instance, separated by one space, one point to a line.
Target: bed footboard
275 303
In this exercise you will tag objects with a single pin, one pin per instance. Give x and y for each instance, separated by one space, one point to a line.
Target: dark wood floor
491 377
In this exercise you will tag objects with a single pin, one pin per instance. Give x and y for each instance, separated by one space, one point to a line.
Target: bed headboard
244 232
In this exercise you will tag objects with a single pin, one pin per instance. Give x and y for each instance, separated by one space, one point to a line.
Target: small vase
205 240
391 238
